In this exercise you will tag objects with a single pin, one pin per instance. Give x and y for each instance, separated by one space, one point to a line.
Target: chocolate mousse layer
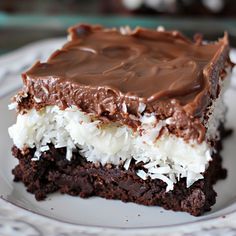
119 74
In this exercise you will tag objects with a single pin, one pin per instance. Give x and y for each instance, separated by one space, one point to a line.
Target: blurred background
24 21
215 8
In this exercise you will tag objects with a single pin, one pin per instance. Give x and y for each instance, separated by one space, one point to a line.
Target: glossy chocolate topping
100 69
146 64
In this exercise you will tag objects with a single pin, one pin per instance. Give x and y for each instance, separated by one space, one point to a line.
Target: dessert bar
136 115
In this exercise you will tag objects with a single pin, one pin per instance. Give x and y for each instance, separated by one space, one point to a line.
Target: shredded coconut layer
168 158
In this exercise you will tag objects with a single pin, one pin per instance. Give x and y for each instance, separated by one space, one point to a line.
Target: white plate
21 214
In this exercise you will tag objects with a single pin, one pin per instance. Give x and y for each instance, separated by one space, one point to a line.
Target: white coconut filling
168 157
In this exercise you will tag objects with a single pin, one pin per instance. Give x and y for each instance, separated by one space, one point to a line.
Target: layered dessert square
135 115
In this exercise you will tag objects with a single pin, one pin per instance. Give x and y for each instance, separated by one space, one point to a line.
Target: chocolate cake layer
111 74
80 177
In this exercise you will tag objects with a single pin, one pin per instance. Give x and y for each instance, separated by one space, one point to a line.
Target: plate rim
225 222
232 212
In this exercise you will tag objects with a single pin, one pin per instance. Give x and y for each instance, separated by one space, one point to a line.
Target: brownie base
79 177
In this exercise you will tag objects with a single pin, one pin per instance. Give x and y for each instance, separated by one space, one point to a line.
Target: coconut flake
127 164
160 28
193 177
159 170
148 118
124 107
170 184
141 107
37 100
44 148
151 164
169 121
12 106
142 174
125 30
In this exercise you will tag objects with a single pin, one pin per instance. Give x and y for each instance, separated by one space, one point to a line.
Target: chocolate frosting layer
102 70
